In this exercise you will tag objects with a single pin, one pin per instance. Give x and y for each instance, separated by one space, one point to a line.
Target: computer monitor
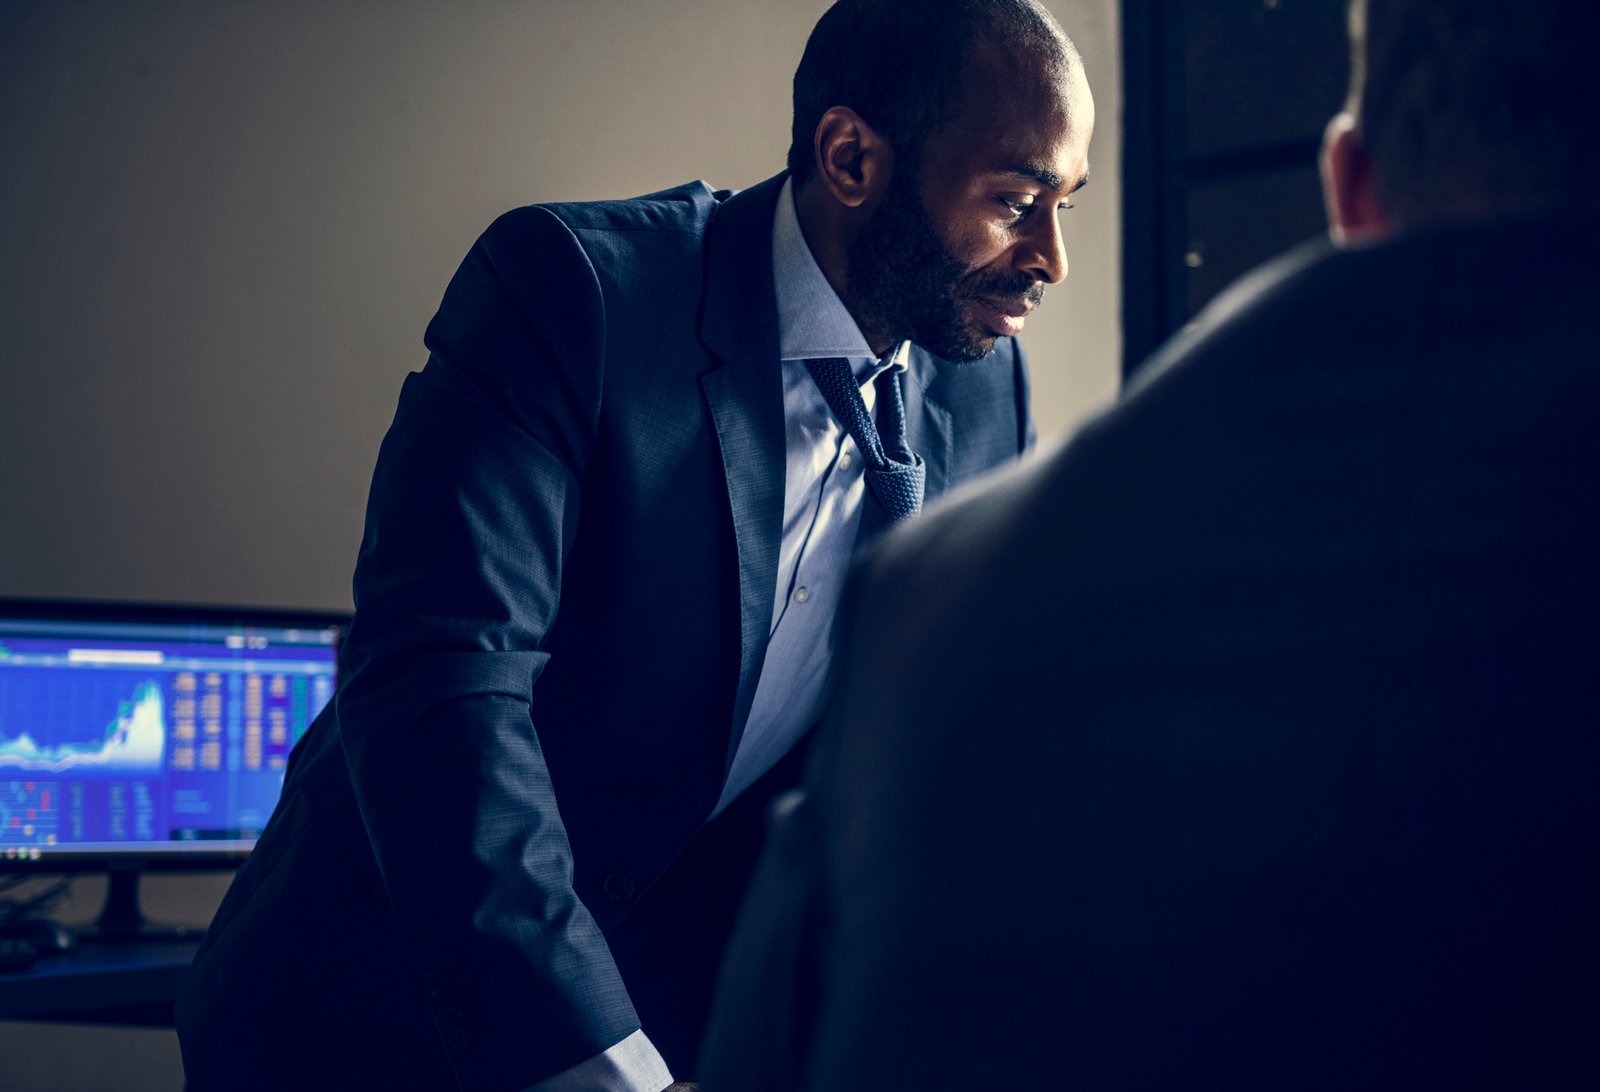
136 737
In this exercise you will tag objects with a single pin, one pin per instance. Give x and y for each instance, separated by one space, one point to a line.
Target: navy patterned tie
894 475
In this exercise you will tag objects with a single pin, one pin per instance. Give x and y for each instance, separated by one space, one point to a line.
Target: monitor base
121 920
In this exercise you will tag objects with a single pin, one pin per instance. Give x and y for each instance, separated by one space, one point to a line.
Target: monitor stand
121 920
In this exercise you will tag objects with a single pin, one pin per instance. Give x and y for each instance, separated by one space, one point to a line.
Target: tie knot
895 476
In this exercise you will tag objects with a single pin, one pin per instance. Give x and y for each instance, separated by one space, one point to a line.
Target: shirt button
801 595
844 461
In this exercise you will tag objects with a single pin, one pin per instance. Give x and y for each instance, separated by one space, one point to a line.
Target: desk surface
101 982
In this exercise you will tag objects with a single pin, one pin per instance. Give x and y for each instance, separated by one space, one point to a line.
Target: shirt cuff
633 1065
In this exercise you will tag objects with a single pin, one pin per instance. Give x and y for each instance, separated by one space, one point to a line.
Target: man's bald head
899 65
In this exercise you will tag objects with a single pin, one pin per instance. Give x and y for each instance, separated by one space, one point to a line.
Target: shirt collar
812 321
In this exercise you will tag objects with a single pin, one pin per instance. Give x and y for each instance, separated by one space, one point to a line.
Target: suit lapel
745 398
928 424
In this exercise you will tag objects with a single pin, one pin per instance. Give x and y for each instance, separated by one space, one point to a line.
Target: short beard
904 282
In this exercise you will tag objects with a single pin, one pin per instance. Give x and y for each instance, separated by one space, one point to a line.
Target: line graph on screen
132 738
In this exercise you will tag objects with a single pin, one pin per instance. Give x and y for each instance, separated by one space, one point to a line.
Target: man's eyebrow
1046 177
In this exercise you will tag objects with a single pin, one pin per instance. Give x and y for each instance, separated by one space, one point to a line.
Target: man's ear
1349 188
854 161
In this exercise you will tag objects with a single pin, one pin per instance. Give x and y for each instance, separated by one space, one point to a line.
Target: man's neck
829 228
822 225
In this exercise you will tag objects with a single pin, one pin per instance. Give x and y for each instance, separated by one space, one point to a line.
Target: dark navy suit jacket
1249 741
491 860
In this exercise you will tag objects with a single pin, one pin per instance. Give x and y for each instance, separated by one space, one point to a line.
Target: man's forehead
1038 133
1008 92
1008 71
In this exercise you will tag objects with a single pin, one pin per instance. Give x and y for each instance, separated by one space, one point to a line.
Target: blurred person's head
1463 110
933 145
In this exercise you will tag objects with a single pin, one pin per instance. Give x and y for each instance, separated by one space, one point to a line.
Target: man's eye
1020 207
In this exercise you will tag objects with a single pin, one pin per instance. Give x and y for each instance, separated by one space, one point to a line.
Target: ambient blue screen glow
150 738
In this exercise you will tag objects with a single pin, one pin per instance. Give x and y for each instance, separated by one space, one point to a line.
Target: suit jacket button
618 888
457 1037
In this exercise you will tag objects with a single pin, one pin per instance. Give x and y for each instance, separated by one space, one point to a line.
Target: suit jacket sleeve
472 512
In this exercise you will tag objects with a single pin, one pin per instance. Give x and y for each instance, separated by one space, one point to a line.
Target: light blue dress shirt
823 491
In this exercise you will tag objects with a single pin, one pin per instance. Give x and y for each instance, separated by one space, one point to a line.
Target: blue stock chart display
150 738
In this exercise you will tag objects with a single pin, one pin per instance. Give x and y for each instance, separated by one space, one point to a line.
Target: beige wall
224 226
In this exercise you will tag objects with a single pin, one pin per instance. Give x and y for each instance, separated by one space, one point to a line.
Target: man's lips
1004 317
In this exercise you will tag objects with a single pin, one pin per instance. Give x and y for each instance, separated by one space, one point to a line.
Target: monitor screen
157 734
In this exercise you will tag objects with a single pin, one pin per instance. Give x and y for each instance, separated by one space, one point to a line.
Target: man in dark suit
1249 740
606 536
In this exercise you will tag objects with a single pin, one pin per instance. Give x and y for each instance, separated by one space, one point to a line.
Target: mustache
1007 286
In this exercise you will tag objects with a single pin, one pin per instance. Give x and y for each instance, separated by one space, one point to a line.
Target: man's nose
1044 254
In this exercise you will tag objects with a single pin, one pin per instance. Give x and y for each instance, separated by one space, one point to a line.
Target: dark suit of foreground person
495 865
1249 740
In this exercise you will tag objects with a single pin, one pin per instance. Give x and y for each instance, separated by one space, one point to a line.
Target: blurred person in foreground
1249 740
